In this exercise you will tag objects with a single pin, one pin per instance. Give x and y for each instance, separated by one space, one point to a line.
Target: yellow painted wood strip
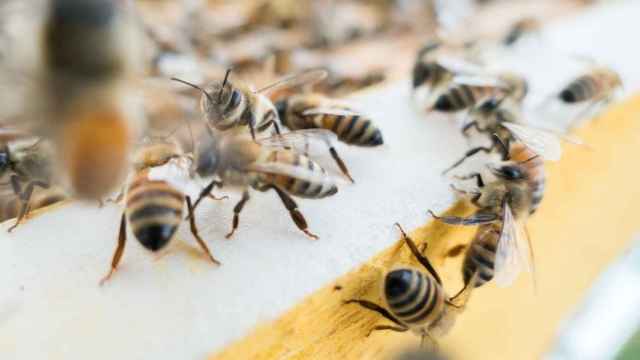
589 215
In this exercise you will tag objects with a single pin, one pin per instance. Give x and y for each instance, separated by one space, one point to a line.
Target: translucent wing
298 172
459 65
330 111
176 173
513 254
479 80
542 142
306 141
304 78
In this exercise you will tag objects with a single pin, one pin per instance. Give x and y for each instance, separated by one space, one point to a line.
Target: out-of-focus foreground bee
25 164
501 248
597 87
154 199
77 95
315 111
417 300
270 164
227 105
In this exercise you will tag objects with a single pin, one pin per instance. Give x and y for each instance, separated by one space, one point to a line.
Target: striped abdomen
154 211
481 255
534 166
321 187
586 87
459 97
414 298
351 129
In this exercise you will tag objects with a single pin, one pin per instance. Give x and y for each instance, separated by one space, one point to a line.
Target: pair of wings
544 142
308 142
514 253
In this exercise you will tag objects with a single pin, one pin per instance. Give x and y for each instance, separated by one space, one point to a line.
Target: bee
315 111
26 165
501 248
154 201
77 96
596 86
416 299
11 205
226 105
521 28
270 164
465 91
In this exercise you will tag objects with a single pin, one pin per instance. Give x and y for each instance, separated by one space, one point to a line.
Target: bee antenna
224 82
194 86
529 159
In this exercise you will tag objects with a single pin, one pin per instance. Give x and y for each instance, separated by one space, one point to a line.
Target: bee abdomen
320 188
456 98
413 297
481 255
354 129
581 89
154 211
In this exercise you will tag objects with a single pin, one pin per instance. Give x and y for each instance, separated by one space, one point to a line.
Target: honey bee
78 90
521 28
597 86
26 165
315 111
155 197
270 164
501 248
226 105
11 205
465 91
416 299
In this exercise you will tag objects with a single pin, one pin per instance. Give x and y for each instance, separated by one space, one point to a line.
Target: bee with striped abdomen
416 300
154 200
596 86
500 249
77 88
465 91
269 164
226 105
315 111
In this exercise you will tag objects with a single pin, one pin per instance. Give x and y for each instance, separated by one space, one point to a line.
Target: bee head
5 160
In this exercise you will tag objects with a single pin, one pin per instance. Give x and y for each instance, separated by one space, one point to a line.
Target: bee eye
4 161
234 100
420 74
511 173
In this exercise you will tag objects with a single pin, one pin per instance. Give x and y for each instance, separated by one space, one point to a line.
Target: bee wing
330 111
459 65
297 172
513 254
304 78
306 141
542 142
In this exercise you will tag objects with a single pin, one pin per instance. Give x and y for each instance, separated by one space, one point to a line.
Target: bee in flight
268 164
75 89
315 111
228 105
155 197
416 300
501 249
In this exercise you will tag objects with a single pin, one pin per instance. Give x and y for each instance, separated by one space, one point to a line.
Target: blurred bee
417 300
77 98
428 72
271 164
521 28
597 87
26 164
226 105
11 205
466 91
155 197
501 248
315 111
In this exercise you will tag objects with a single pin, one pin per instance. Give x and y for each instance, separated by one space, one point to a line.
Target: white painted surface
180 306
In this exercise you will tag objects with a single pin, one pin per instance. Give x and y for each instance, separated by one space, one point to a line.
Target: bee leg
475 219
433 342
467 127
388 327
117 255
421 258
295 214
341 164
206 192
196 234
467 155
375 307
25 197
236 212
477 176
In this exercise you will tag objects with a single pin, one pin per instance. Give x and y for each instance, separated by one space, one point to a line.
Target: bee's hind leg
295 214
236 212
24 196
